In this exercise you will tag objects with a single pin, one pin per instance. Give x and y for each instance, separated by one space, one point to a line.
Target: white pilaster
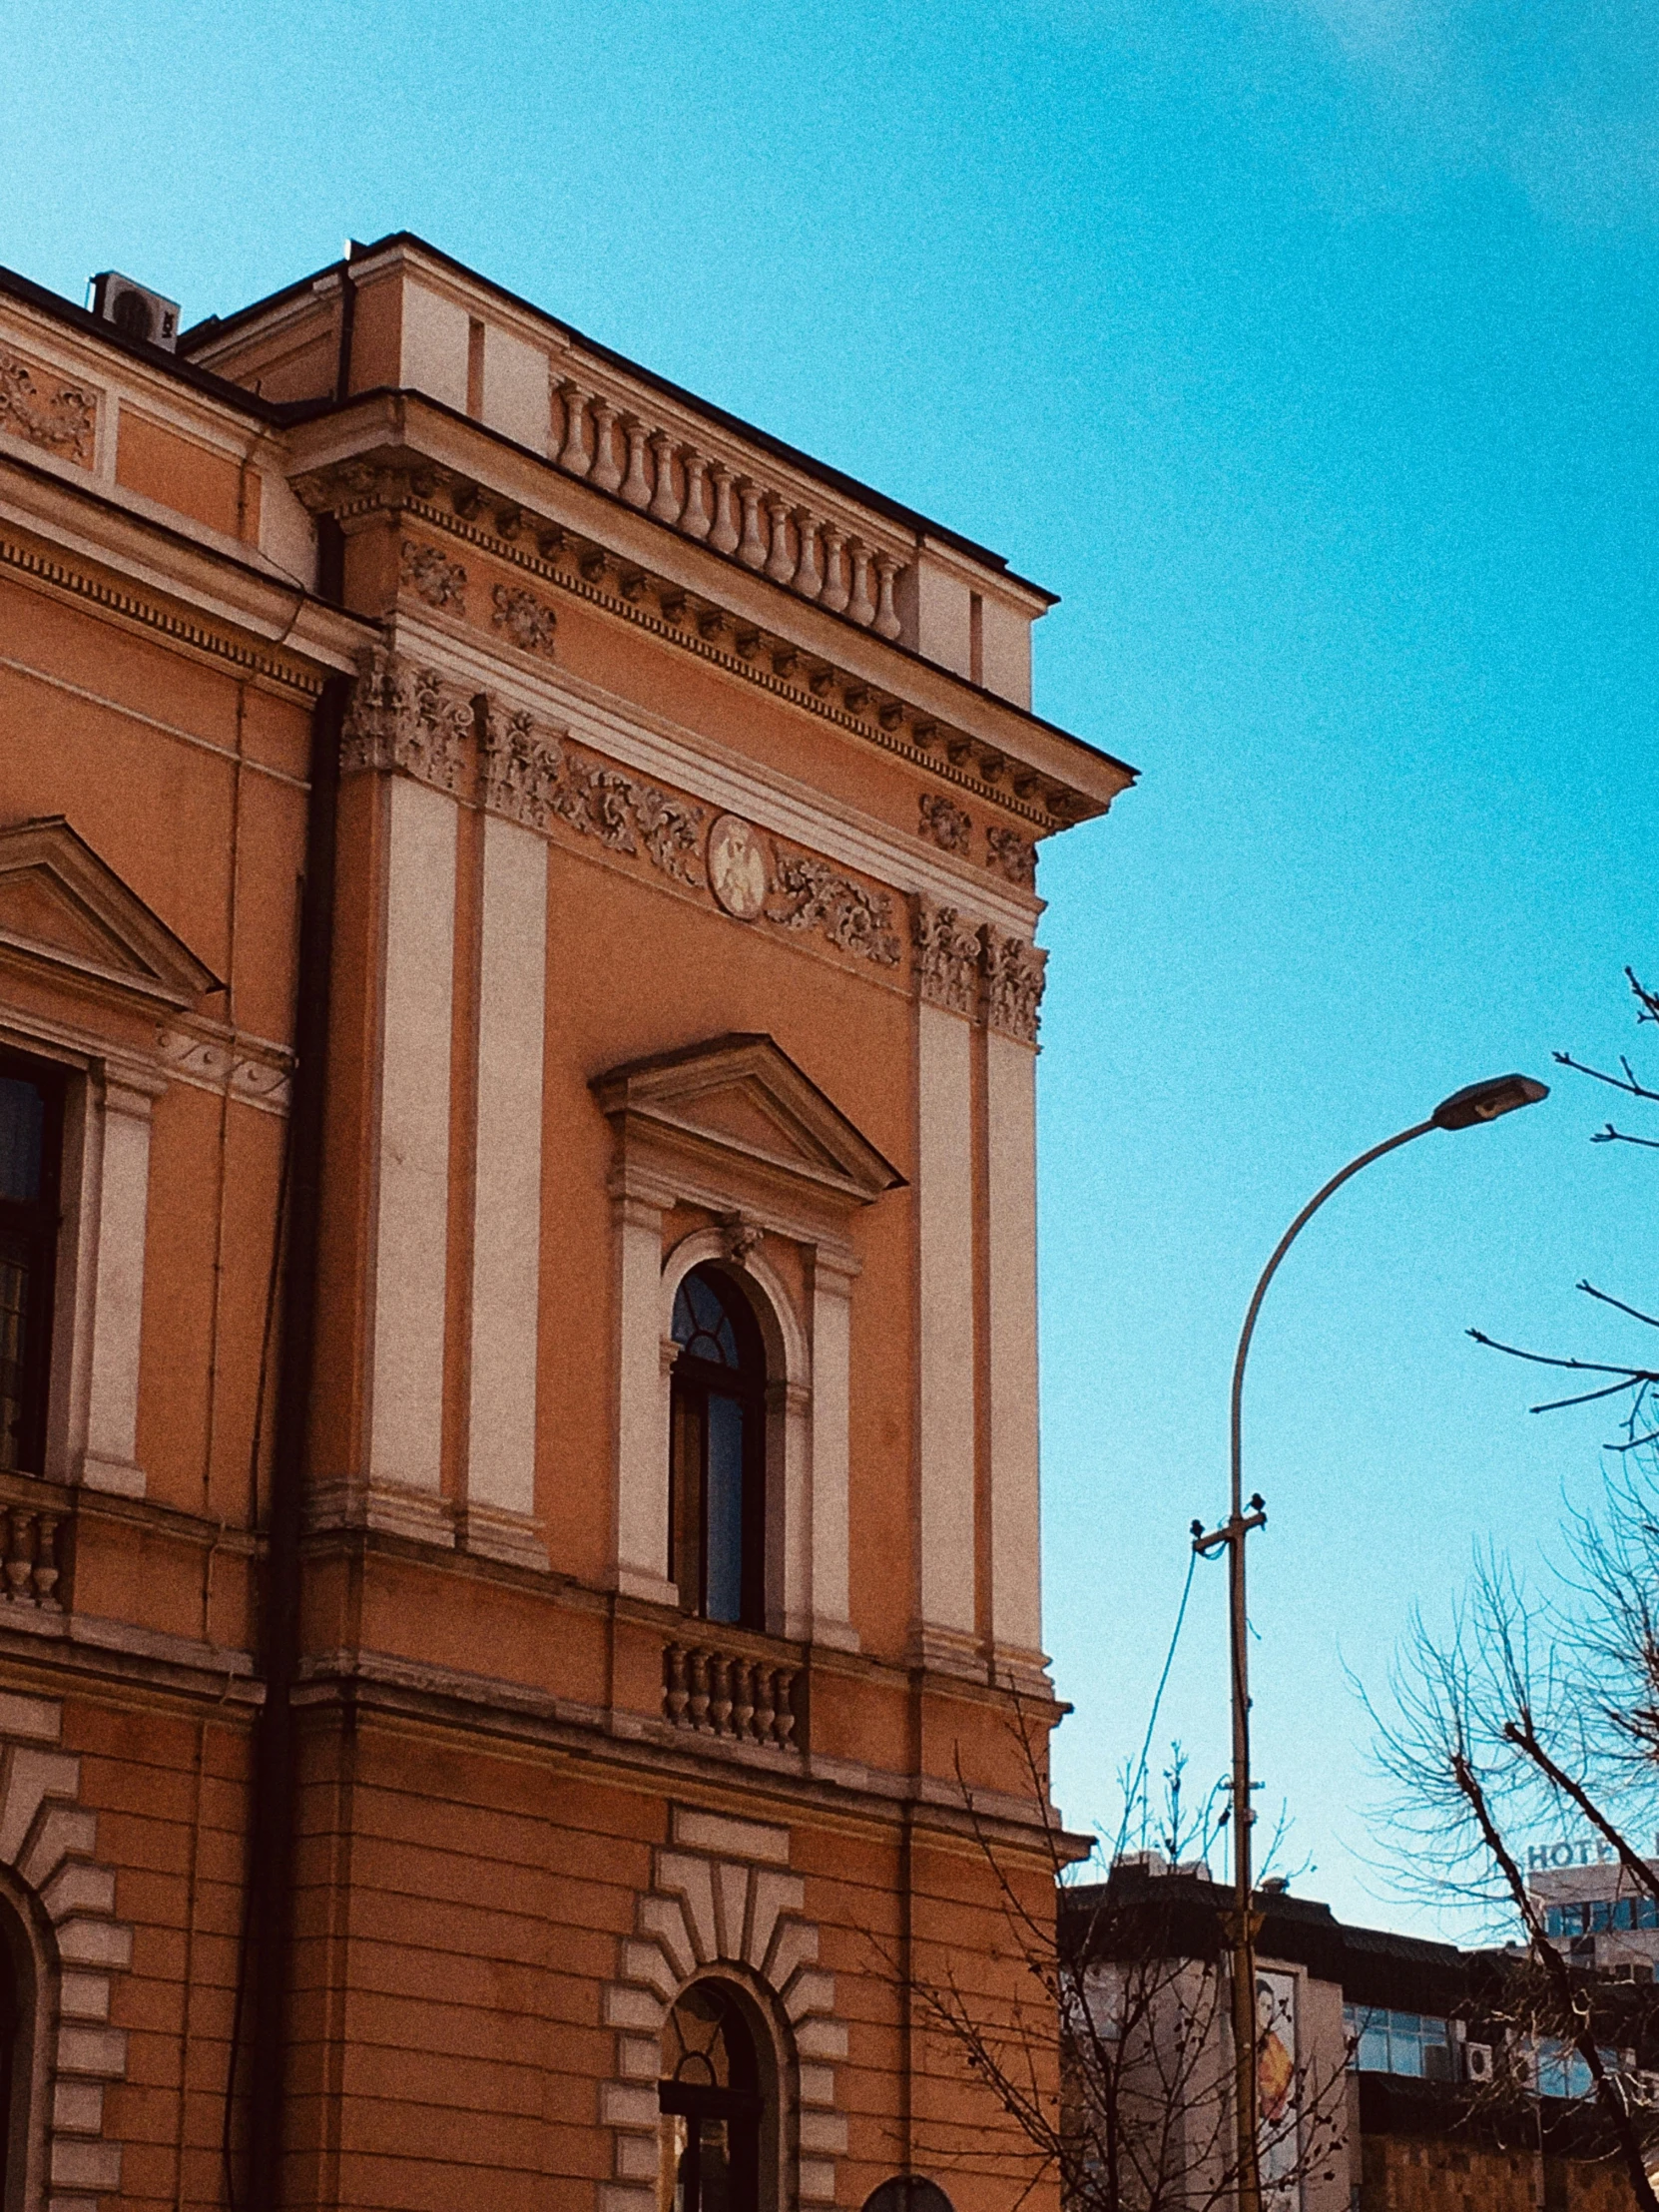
506 1244
411 1211
120 1202
944 1227
831 1452
641 1367
1012 1235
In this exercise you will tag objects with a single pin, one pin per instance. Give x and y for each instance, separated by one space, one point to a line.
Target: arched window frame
799 1172
788 1439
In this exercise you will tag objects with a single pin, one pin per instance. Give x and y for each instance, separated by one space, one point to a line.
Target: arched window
717 1473
708 2137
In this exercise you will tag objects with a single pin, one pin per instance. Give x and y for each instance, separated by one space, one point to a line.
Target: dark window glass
31 1142
716 1485
710 2100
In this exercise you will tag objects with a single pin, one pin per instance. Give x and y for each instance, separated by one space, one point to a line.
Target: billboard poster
1275 2092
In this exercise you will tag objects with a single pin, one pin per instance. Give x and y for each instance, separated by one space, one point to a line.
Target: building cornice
72 540
396 454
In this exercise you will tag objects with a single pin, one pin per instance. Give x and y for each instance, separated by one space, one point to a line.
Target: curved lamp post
1464 1109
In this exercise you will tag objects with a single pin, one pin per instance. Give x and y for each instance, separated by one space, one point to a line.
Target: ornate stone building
518 1429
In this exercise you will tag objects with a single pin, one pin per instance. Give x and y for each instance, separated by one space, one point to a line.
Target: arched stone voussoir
705 1911
49 1844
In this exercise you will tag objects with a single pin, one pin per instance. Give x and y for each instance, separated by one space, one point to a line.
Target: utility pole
1464 1109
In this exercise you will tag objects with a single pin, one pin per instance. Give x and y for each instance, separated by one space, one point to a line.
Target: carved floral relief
38 405
943 823
1013 983
432 576
947 957
403 720
528 621
1009 854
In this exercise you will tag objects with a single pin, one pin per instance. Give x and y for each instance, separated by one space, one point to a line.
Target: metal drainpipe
272 1820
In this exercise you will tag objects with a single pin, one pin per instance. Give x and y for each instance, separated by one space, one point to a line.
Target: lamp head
1477 1102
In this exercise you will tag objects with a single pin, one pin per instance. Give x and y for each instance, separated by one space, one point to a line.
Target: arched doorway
711 2105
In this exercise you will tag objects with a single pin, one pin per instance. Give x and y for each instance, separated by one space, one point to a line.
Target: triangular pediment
63 907
743 1095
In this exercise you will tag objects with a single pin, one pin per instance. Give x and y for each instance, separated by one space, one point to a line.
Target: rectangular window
31 1153
1408 2044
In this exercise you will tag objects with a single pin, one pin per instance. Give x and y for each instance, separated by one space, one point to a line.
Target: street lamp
1464 1109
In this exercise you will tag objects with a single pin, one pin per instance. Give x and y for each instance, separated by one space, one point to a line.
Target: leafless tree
1529 1711
1634 1384
1131 2108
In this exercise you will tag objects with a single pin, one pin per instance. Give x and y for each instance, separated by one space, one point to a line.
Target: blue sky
1305 347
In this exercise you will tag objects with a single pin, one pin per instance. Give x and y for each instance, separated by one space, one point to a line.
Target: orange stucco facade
484 836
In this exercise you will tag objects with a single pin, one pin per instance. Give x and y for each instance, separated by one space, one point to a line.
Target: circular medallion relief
737 866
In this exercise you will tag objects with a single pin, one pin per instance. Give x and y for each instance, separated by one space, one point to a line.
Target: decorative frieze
431 575
812 896
947 957
401 721
409 719
528 620
38 405
1013 983
943 823
523 767
1010 856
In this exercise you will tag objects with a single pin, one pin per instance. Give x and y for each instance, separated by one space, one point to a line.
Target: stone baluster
765 1712
720 1704
20 1556
809 577
886 624
782 1727
780 560
636 487
676 1695
575 455
697 1705
695 519
606 473
743 1698
834 594
47 1571
753 551
861 607
723 536
665 503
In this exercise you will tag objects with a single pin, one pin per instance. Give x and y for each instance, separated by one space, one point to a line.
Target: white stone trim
48 1843
409 1249
945 1279
1011 1237
98 1297
706 1915
118 1214
506 1233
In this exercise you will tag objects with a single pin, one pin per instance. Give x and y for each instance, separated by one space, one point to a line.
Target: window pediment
741 1107
65 910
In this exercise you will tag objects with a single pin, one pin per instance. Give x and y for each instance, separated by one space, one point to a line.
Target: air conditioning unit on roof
1477 2061
136 311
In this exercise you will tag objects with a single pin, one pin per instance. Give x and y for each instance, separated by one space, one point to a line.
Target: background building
1411 2074
518 1487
